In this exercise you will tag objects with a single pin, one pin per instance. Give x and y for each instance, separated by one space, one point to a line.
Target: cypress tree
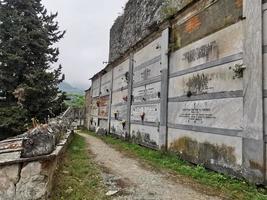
28 83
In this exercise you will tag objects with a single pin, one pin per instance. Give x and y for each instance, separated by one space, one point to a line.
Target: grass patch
231 188
77 177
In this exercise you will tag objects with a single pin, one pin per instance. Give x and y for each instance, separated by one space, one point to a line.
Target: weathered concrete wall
118 112
88 108
195 85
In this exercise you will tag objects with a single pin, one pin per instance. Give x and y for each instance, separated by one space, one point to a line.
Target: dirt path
133 180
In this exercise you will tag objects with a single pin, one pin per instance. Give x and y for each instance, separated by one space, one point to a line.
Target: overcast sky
86 43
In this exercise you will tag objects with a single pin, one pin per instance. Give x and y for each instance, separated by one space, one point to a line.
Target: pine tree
27 37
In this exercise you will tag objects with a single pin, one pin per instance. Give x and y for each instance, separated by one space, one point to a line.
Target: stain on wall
211 19
205 153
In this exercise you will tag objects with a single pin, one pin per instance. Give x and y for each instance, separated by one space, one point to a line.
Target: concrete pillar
130 91
253 134
164 89
110 100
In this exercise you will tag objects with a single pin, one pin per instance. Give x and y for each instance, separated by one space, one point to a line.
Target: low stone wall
28 178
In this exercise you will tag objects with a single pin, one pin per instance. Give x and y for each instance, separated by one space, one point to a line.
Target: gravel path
134 181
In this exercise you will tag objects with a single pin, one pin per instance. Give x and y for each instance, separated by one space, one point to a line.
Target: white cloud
86 43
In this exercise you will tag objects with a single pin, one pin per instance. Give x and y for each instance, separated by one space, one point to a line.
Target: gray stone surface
9 176
35 180
140 18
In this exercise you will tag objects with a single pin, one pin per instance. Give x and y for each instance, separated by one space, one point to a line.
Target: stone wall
140 18
28 162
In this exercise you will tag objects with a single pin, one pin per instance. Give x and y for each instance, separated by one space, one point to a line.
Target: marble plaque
117 128
217 113
105 89
147 93
233 144
216 79
120 110
120 82
94 109
147 53
121 69
103 124
117 97
151 111
221 44
145 134
106 77
96 92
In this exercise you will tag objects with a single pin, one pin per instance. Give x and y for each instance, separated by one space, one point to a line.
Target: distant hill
68 88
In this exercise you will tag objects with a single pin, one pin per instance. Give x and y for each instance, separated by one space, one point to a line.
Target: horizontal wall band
119 104
211 64
147 63
152 124
104 95
216 131
119 77
120 89
103 118
119 119
209 96
105 83
147 82
146 102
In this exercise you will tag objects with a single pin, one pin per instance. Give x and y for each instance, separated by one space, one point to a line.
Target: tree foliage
75 101
27 52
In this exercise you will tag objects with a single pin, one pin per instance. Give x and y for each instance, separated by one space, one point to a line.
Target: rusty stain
239 3
46 164
203 152
192 24
13 145
255 165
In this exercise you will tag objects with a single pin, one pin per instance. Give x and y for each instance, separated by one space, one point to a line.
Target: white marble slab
216 79
147 53
233 142
218 113
226 42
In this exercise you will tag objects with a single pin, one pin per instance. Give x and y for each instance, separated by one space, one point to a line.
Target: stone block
9 176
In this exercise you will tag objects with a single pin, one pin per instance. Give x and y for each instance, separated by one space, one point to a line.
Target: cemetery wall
196 86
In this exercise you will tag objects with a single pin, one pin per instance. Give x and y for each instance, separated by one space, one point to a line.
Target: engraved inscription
205 51
197 114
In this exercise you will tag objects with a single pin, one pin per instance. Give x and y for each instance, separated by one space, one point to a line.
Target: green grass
77 177
231 188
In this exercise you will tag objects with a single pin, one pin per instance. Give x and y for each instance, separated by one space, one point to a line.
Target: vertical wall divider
163 135
253 133
99 98
130 91
110 100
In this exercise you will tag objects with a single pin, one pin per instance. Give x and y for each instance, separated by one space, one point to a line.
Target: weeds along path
132 180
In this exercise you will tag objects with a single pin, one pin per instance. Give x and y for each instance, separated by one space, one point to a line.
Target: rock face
43 139
39 142
140 18
34 179
9 176
133 25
